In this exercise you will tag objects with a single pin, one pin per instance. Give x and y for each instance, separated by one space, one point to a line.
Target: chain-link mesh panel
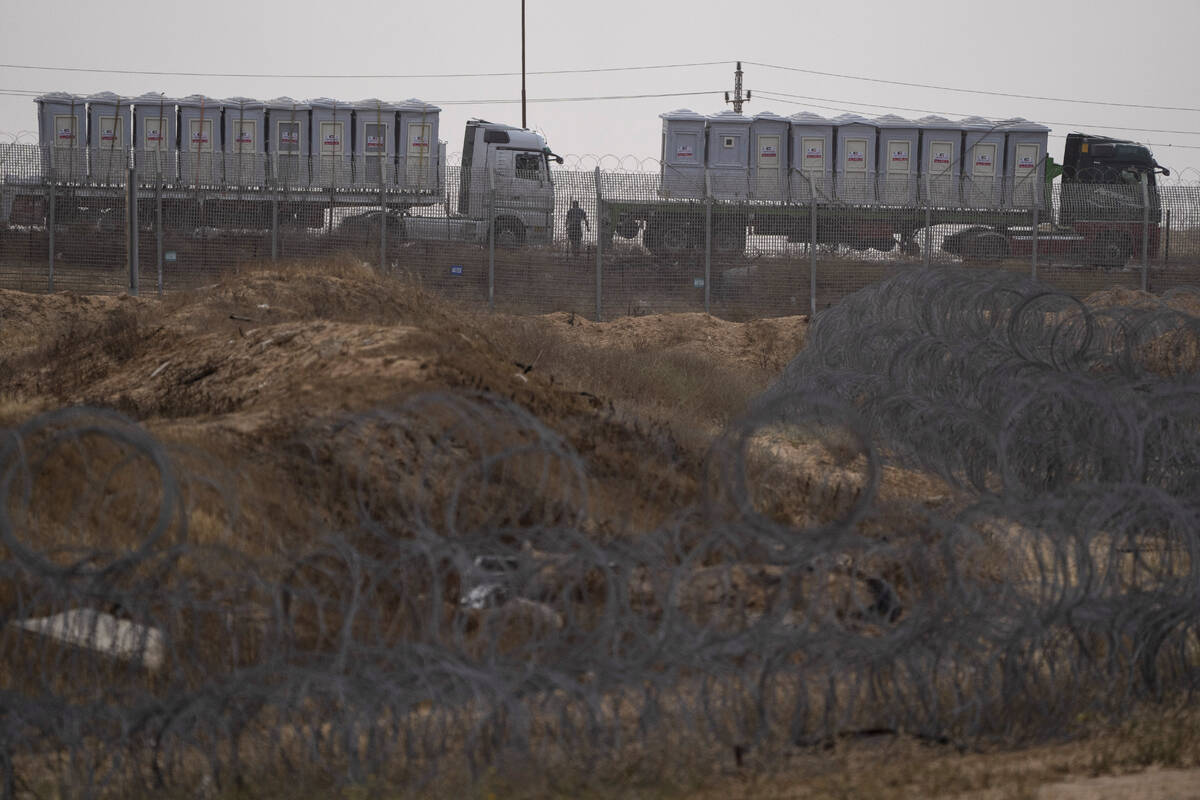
522 239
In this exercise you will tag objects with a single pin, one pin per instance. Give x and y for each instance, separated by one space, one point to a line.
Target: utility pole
737 99
523 121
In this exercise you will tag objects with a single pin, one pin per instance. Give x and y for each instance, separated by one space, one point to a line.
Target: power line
969 91
165 73
30 93
781 97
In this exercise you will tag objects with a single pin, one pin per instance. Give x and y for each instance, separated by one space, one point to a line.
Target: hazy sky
1103 50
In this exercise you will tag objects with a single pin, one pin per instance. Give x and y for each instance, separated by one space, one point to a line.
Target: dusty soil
243 370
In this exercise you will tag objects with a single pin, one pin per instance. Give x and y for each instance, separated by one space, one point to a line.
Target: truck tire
1110 250
674 239
509 233
987 246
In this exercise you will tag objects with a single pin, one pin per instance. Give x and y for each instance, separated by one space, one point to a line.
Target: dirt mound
1186 301
248 367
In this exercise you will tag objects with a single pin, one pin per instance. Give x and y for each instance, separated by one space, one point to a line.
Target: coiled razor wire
459 605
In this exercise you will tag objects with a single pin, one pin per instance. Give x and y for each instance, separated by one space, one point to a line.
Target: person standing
576 219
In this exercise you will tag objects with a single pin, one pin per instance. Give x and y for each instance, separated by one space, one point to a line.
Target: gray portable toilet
109 124
287 141
854 174
418 146
898 147
1024 162
61 135
683 154
154 138
812 157
374 143
983 157
331 122
940 161
728 158
200 162
245 122
769 151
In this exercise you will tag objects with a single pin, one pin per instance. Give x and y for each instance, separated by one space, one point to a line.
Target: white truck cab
515 163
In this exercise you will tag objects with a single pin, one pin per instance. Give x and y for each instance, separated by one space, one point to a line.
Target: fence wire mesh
639 242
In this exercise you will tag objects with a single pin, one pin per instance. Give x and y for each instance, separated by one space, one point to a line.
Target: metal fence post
1145 233
927 250
158 235
491 240
131 214
812 250
382 224
50 213
1033 242
275 223
601 219
1166 247
708 201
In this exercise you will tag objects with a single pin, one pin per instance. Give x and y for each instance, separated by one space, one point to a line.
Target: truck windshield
528 165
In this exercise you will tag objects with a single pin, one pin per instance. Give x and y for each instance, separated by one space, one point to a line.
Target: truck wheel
509 233
987 246
1110 250
628 226
674 239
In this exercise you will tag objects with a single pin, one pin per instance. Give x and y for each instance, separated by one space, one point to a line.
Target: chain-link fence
600 243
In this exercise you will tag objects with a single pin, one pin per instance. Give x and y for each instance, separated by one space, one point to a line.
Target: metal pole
1145 233
50 224
132 214
382 224
707 244
812 250
492 243
601 219
1166 256
927 250
523 120
274 224
1033 242
158 234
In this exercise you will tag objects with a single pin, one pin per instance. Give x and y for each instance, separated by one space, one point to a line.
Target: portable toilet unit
61 135
899 140
1024 162
109 123
812 157
940 162
683 154
769 150
854 175
728 158
983 160
331 125
200 162
154 138
244 134
374 143
287 135
418 148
